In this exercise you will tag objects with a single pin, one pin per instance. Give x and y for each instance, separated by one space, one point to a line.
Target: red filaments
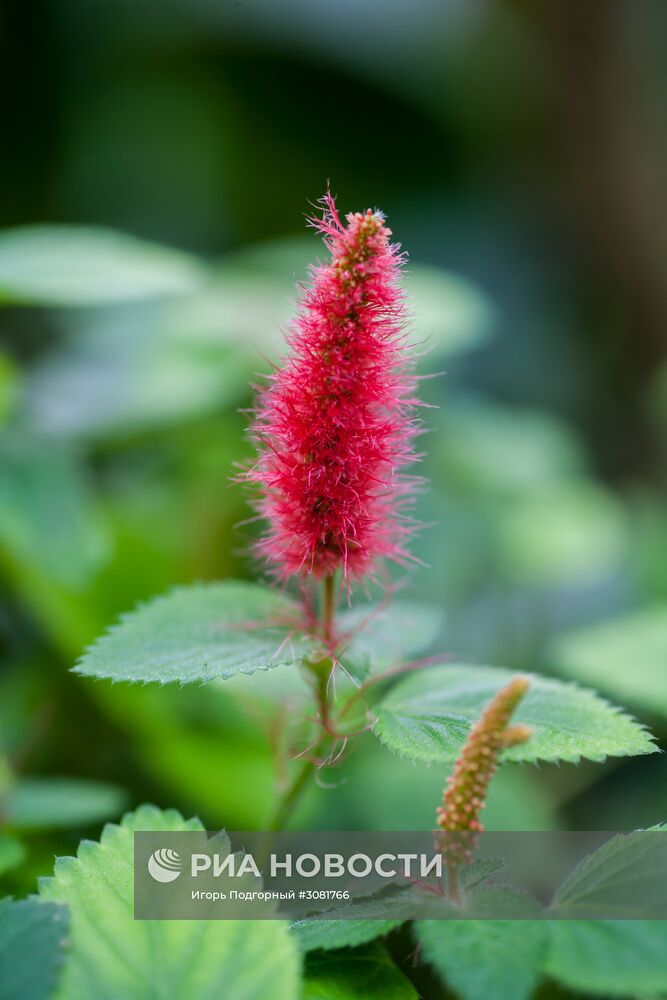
335 425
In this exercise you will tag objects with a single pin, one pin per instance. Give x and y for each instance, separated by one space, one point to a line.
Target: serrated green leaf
328 934
609 958
362 974
358 920
81 265
485 958
372 638
51 803
113 956
384 636
12 853
222 629
480 871
626 657
428 715
47 516
196 634
32 937
496 901
627 875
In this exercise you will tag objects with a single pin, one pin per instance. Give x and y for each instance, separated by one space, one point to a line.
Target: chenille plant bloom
335 425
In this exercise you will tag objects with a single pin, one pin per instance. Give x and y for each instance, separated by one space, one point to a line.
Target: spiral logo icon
164 865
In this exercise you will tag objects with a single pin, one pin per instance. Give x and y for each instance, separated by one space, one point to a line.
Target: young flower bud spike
468 784
335 425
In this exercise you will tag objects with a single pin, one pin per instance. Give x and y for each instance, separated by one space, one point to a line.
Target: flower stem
328 609
290 799
321 670
285 807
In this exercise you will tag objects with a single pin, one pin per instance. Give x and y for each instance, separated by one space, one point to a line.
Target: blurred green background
519 152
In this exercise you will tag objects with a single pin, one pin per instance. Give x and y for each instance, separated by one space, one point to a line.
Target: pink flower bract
335 426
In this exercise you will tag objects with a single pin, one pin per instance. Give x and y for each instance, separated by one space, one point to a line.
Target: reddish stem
329 606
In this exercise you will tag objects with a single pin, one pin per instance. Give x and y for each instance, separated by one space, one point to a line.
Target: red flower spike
468 784
335 425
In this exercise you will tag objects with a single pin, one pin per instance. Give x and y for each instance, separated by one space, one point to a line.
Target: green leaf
428 715
47 515
10 376
198 633
480 871
80 265
508 452
222 629
626 656
328 934
364 974
372 638
609 957
517 798
32 936
246 310
381 636
485 958
450 314
113 956
12 853
50 803
627 875
214 771
487 902
575 531
124 374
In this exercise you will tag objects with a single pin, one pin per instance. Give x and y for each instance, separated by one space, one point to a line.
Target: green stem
321 671
284 809
290 799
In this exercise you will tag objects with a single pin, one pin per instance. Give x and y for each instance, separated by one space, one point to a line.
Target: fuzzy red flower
335 424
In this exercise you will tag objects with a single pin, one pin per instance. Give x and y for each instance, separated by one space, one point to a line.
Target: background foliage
159 162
